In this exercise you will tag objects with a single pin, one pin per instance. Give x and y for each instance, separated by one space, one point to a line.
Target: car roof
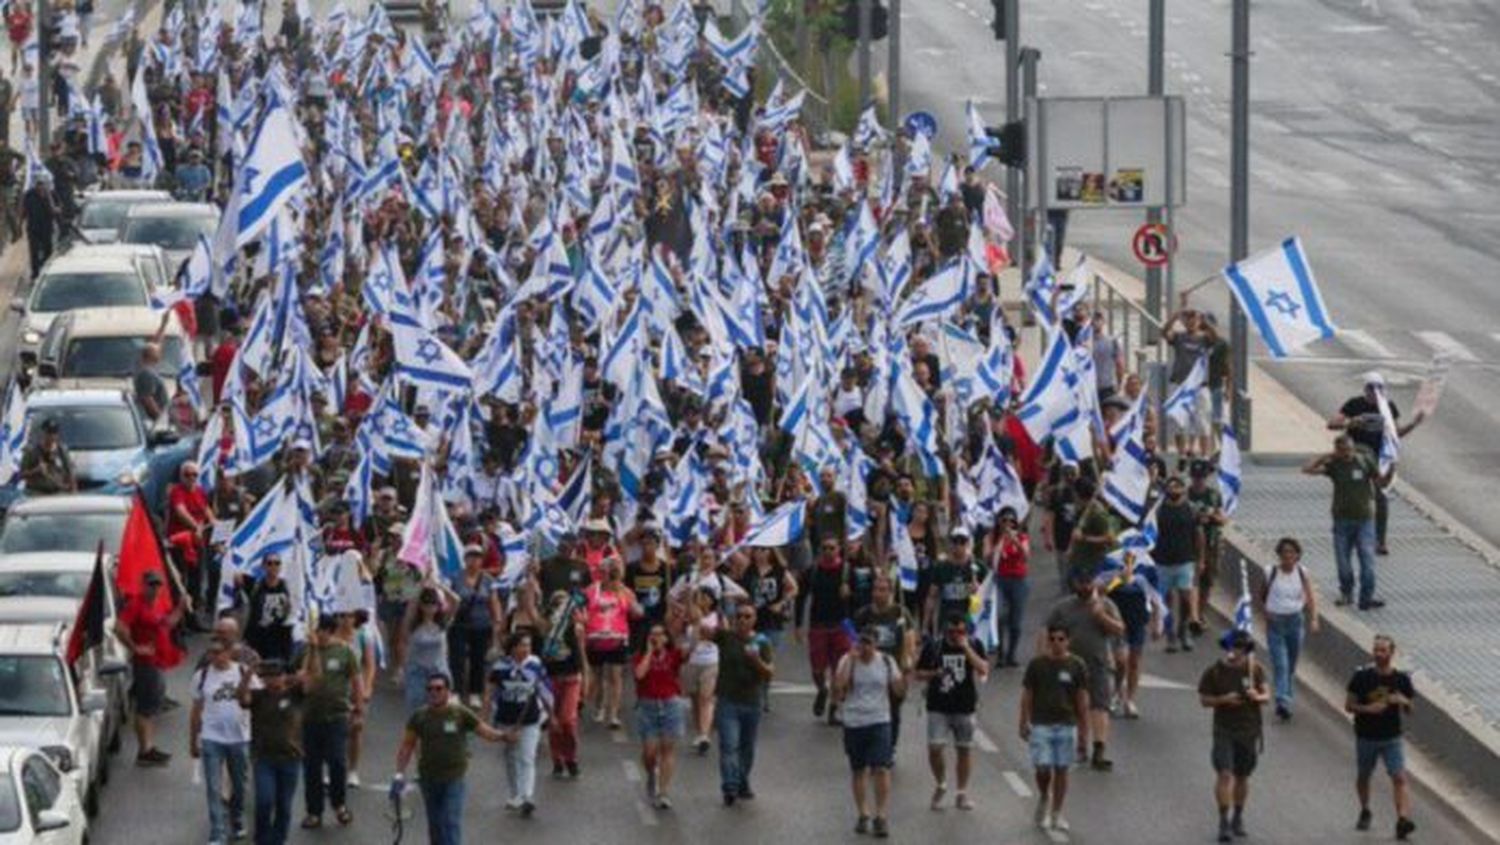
172 209
114 250
47 562
119 321
41 611
30 638
72 262
72 397
127 195
71 503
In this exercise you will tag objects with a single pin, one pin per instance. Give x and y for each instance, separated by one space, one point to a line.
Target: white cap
1374 378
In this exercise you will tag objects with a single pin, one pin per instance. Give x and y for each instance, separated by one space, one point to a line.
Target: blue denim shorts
658 718
868 747
1176 576
1052 746
1368 752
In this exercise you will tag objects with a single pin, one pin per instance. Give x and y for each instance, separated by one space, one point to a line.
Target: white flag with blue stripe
780 527
273 171
1182 404
1280 297
1229 469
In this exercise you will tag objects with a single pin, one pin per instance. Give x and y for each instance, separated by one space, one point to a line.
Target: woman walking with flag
519 701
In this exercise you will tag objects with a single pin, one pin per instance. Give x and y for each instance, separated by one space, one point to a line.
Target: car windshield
167 232
62 585
89 428
10 803
61 532
116 357
33 685
66 291
101 213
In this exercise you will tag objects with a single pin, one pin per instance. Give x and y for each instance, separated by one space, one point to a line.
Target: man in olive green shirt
334 693
1095 534
1355 474
744 667
276 748
442 730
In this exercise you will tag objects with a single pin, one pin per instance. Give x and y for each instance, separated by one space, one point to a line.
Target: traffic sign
1153 244
921 123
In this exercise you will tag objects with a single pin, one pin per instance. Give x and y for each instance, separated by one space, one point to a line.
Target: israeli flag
1182 404
780 527
422 359
1244 619
12 432
273 171
1281 299
1049 400
941 295
906 554
869 131
1390 435
1229 469
1127 485
980 143
987 621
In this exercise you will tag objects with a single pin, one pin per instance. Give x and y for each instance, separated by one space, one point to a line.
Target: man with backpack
219 734
1286 599
863 685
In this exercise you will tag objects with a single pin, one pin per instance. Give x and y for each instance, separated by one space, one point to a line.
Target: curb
1451 752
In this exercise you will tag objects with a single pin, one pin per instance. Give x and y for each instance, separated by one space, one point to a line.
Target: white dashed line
1446 344
632 770
1364 343
984 742
1017 784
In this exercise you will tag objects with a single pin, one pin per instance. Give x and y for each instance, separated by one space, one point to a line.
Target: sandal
312 823
344 816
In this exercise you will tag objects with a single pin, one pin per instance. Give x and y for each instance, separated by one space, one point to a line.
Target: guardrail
1121 313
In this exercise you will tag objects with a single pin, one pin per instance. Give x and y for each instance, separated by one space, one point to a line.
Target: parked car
100 347
39 803
43 705
69 523
73 281
108 441
173 226
47 588
103 211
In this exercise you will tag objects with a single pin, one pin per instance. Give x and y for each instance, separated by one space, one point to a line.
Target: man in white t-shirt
220 735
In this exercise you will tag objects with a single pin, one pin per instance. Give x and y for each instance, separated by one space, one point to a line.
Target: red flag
141 553
88 628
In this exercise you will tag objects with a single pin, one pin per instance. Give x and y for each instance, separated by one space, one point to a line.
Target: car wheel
103 769
114 738
91 802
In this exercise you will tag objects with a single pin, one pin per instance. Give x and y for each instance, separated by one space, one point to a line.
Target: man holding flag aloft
1365 417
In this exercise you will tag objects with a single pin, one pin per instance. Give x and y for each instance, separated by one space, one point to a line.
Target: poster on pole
1106 152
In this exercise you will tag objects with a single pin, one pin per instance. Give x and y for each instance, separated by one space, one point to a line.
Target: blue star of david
1283 302
265 429
428 351
401 427
250 175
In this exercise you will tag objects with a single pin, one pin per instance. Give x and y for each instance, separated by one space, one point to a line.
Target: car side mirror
94 701
46 369
163 437
50 820
18 304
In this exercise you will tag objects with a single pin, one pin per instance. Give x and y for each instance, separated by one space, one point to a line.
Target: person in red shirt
1009 550
223 355
147 632
190 522
658 708
18 27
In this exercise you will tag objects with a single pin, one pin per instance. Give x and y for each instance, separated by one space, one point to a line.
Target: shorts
868 747
700 678
658 718
824 648
148 689
1052 746
1177 576
1236 756
1368 752
943 726
610 655
1199 417
1101 685
1135 635
391 613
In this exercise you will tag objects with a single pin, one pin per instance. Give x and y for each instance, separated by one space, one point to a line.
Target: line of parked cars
79 328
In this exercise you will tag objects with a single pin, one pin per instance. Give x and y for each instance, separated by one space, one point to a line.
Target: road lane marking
1017 784
984 742
1446 344
632 771
1150 681
779 688
1364 343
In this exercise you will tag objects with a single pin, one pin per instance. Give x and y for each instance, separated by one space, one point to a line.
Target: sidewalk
1440 581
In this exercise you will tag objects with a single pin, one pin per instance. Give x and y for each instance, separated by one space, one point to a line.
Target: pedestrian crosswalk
1408 348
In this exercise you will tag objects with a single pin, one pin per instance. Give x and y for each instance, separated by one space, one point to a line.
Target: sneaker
702 746
1041 815
599 716
1404 828
352 781
938 793
862 826
729 799
745 794
1132 711
1382 550
820 701
573 769
1224 834
1187 643
1364 820
1283 713
1237 827
557 771
962 801
527 808
1344 600
881 828
241 833
1100 763
1171 646
663 802
1195 627
1059 823
615 724
513 805
1372 604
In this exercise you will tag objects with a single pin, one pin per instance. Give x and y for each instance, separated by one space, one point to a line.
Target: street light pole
864 52
1239 208
1156 86
1016 204
43 78
893 32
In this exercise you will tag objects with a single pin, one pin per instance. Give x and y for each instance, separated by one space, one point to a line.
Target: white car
39 805
173 226
60 580
73 281
65 523
43 707
103 211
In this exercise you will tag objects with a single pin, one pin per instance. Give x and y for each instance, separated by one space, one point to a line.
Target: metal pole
864 52
893 33
1239 207
43 79
1029 57
1016 205
1156 85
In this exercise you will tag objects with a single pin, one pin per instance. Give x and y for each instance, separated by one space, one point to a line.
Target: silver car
68 523
173 226
69 282
103 211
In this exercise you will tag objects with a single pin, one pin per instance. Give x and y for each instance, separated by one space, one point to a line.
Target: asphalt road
1373 137
1160 790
